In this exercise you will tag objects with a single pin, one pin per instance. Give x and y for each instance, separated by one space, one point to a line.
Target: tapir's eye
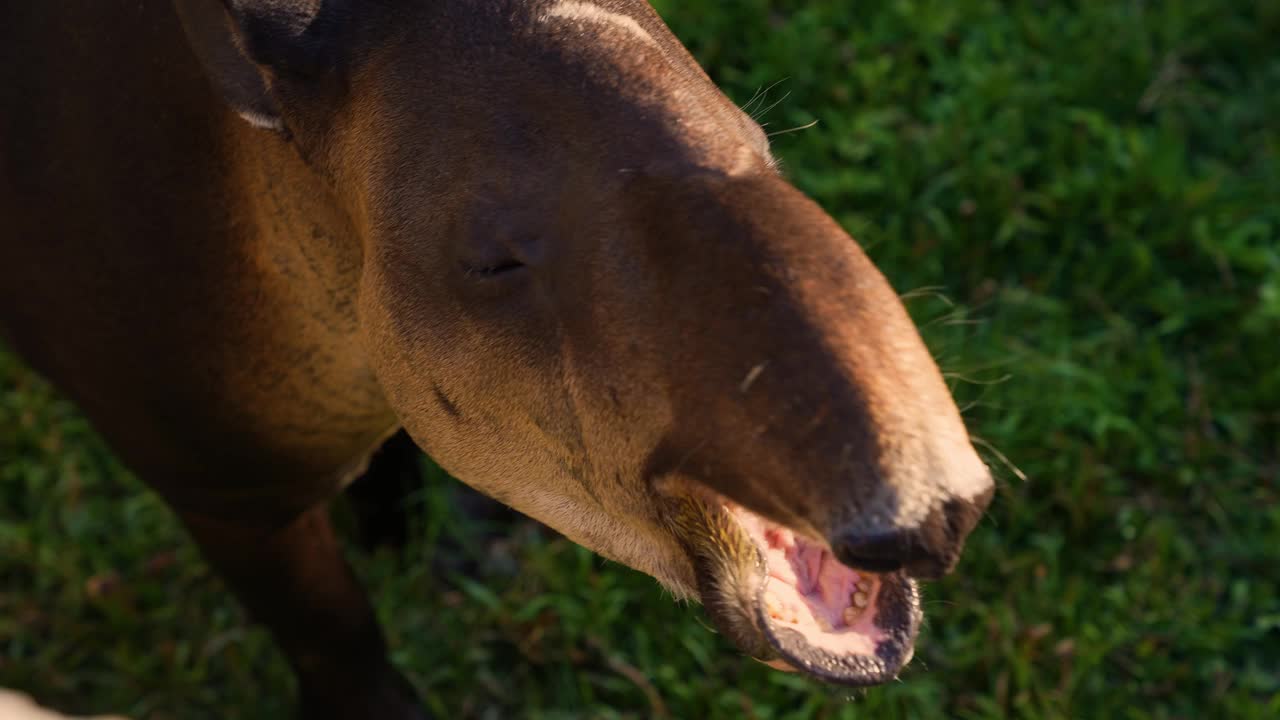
490 257
494 269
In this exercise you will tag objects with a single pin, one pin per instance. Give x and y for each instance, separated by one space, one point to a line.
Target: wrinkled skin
533 234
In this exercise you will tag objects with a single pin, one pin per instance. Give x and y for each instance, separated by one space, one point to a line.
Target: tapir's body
178 272
253 238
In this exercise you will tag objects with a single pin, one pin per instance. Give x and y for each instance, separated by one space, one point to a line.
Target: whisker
794 129
957 316
965 378
746 107
756 116
761 95
936 292
1017 471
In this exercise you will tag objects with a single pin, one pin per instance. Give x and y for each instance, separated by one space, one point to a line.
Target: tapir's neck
219 269
299 229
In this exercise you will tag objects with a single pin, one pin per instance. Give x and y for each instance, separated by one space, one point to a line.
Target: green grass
1094 185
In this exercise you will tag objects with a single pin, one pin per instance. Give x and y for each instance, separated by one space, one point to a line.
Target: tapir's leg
295 581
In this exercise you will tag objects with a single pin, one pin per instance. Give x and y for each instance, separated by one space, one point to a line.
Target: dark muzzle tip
892 552
880 553
869 564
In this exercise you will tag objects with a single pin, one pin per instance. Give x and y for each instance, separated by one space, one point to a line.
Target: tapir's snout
819 462
801 387
926 550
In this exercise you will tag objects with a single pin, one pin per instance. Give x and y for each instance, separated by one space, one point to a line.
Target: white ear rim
212 35
260 120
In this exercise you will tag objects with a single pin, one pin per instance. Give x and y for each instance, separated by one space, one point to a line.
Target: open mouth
825 618
784 598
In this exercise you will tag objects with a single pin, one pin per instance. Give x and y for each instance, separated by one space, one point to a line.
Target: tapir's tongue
819 613
807 591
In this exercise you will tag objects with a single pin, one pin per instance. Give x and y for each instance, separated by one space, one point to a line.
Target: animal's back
154 260
106 150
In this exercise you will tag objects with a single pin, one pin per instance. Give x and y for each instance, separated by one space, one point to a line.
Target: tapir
252 239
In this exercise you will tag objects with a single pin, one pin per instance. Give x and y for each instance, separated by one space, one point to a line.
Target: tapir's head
587 292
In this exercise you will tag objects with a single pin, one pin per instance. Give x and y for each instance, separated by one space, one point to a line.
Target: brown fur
245 313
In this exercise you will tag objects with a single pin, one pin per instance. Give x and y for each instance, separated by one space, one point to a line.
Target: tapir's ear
247 47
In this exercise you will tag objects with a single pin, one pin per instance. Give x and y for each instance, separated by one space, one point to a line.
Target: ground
1082 201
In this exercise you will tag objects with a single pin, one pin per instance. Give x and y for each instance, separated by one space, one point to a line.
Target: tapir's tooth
851 615
860 600
772 606
864 586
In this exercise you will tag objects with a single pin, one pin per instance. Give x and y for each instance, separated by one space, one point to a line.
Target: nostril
915 551
926 551
881 552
